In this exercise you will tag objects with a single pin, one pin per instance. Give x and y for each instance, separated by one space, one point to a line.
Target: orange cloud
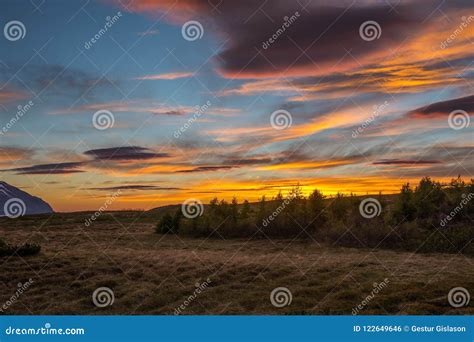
267 134
7 96
8 155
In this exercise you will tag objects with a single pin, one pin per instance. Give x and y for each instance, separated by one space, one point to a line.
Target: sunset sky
192 115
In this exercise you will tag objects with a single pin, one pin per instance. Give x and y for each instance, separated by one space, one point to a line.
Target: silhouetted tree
213 204
339 207
234 209
428 197
245 210
404 209
317 209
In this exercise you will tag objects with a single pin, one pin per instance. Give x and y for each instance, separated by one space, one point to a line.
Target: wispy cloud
48 169
9 154
9 95
144 106
149 33
168 76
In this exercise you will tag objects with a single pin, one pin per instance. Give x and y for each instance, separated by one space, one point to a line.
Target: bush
24 250
169 224
165 225
28 249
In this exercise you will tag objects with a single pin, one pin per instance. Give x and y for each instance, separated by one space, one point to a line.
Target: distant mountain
15 202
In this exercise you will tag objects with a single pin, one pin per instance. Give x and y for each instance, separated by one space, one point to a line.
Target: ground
151 273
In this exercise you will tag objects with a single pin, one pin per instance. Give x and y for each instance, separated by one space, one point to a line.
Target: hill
15 202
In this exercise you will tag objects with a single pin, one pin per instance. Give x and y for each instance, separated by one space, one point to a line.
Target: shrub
24 250
28 249
169 224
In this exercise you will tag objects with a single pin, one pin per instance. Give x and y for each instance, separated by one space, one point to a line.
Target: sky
153 102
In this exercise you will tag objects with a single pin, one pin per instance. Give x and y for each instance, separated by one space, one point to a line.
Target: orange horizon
146 200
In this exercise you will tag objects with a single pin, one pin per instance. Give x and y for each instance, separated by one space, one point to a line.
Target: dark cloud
443 108
134 187
245 161
325 31
48 169
118 154
124 153
171 113
208 168
325 34
406 162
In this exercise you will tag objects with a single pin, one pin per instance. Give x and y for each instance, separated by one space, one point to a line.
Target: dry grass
154 274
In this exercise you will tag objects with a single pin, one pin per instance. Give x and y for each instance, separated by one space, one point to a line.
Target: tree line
439 216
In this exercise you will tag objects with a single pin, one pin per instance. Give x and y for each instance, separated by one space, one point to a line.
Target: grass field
151 273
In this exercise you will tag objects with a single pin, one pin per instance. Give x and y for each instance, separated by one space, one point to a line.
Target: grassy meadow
155 273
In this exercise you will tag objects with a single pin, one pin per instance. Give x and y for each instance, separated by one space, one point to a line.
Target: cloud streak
444 108
168 76
128 153
134 188
48 169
